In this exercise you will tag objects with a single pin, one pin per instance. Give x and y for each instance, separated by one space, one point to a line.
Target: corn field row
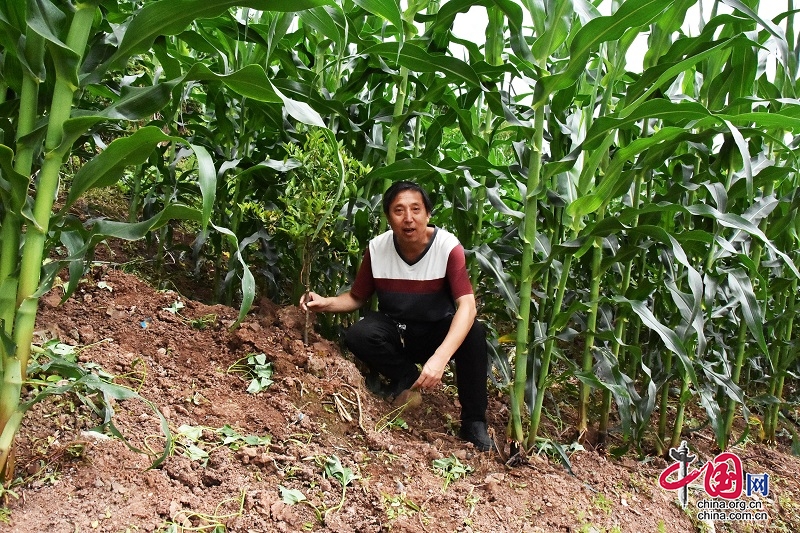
632 231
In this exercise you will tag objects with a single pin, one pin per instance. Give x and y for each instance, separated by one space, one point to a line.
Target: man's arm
342 303
433 370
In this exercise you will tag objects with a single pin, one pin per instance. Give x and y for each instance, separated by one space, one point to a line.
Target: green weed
451 469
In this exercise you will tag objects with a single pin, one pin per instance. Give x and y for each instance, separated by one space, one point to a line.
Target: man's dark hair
400 186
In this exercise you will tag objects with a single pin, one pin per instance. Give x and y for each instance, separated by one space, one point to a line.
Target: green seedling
451 469
335 470
191 442
392 420
200 323
257 369
399 505
175 307
294 496
332 468
234 440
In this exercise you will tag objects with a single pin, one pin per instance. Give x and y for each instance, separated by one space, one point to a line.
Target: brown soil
316 410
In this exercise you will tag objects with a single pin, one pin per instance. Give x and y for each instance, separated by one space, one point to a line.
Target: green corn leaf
416 59
563 456
713 410
99 230
74 242
516 27
556 21
668 23
136 103
248 282
611 378
658 77
737 222
386 9
107 167
49 23
155 19
491 264
493 194
13 186
86 384
645 406
250 81
446 14
739 282
667 335
670 113
407 169
631 14
785 119
305 92
328 21
207 179
10 34
300 111
774 30
9 347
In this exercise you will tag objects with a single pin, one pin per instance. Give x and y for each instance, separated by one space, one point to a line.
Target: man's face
408 217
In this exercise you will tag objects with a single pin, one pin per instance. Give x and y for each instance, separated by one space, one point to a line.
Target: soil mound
277 460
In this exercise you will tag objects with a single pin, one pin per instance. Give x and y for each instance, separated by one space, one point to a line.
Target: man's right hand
311 301
342 303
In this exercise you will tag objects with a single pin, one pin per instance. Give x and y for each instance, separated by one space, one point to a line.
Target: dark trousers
376 341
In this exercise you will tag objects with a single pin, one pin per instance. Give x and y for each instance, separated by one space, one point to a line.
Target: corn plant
67 69
630 235
631 230
682 284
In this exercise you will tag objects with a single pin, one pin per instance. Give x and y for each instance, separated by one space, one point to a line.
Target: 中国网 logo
723 480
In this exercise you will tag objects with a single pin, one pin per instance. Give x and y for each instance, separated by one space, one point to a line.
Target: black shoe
476 433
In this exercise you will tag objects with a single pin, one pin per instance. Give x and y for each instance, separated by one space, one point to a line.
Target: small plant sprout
399 505
188 440
392 419
335 470
451 469
175 307
291 496
194 442
332 468
256 367
234 440
294 496
199 323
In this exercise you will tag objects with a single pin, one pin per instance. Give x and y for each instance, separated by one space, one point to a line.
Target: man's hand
431 374
311 301
343 303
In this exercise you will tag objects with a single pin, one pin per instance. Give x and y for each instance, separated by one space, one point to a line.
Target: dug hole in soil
317 410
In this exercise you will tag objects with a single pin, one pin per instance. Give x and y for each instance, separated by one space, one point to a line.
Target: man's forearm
459 328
